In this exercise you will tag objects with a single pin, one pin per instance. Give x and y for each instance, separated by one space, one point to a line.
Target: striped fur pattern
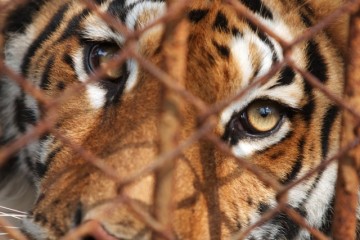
52 43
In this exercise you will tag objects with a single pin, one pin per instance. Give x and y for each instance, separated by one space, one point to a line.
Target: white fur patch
78 59
152 9
17 46
247 147
129 2
240 50
45 146
96 95
97 30
133 75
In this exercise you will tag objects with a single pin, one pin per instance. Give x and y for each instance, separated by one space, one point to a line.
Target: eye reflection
100 54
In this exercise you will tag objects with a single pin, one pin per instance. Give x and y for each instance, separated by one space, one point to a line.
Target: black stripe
308 23
249 201
327 219
315 183
9 168
197 15
5 140
306 12
68 60
263 208
78 216
23 114
40 169
326 129
117 8
221 23
308 89
258 7
45 78
224 51
236 32
19 19
265 39
29 163
315 60
52 155
286 78
304 4
73 26
313 187
210 58
317 65
99 2
308 110
44 137
298 164
40 218
60 86
275 156
289 229
52 26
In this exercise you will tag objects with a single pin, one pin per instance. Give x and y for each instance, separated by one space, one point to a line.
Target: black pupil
98 53
95 60
265 111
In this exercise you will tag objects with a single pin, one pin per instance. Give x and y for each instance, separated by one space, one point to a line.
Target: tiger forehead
222 44
220 19
215 20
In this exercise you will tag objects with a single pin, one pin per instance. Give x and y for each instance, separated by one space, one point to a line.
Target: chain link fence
175 48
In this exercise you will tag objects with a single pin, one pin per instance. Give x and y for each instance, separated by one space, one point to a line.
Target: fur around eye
259 119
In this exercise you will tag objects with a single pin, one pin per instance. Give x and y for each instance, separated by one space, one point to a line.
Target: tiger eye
100 55
263 116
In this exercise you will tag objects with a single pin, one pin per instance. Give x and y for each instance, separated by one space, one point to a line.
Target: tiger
283 126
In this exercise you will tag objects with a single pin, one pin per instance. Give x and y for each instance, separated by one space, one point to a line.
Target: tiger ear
338 30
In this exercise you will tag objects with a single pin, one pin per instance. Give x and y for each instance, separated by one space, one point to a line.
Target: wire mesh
171 76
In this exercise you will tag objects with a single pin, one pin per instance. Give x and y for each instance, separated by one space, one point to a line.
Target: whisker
12 227
12 215
13 210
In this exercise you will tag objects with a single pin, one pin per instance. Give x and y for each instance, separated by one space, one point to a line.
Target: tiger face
283 126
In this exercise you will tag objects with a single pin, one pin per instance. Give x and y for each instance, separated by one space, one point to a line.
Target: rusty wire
347 185
171 77
174 48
